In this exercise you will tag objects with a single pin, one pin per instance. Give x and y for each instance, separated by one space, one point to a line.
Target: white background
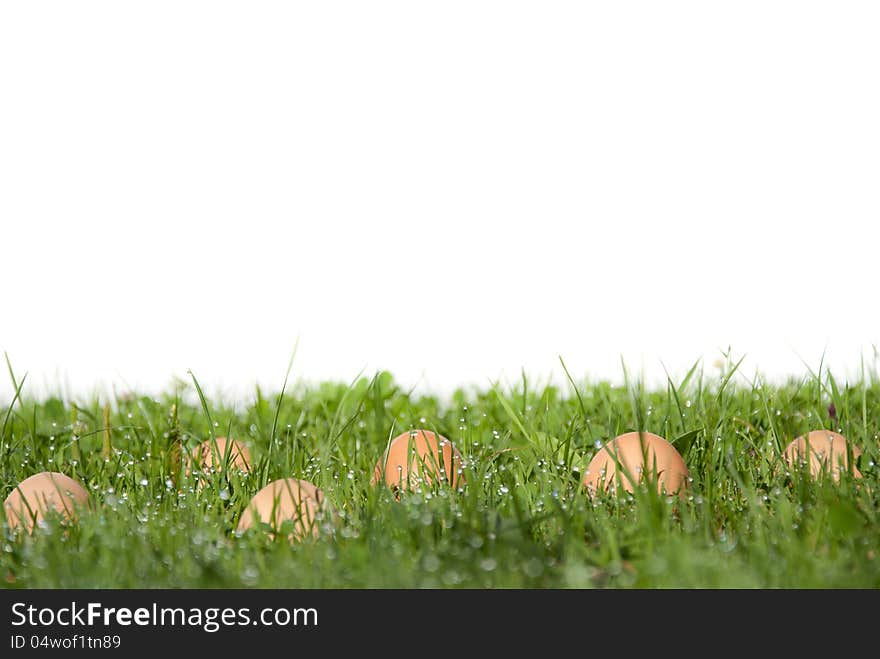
449 190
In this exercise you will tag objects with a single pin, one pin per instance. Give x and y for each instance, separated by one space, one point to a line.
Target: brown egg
287 499
665 464
424 461
822 445
207 455
40 494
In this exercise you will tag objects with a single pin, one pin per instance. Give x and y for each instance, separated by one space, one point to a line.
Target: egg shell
283 500
207 456
665 464
42 493
423 449
820 445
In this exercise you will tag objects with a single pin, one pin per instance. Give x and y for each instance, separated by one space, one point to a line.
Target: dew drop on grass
249 575
533 568
451 577
488 564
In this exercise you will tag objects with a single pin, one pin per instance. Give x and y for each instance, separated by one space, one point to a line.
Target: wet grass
521 520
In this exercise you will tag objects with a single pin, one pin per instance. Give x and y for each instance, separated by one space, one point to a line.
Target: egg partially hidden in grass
419 457
826 452
665 466
46 493
287 500
215 453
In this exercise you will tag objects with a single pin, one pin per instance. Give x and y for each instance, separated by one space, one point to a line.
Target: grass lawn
522 518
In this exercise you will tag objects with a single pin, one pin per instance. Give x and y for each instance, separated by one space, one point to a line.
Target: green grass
522 520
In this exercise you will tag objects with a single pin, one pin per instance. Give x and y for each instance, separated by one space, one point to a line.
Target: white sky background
447 190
